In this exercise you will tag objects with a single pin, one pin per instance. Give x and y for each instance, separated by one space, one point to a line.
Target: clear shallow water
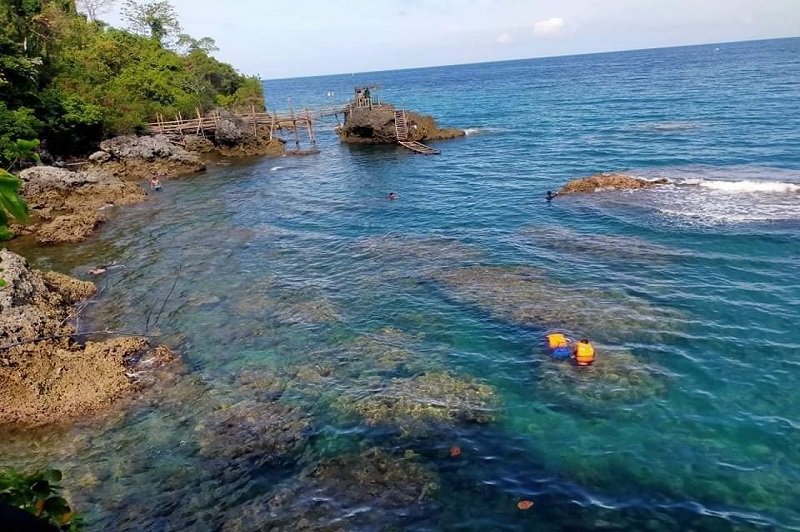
286 269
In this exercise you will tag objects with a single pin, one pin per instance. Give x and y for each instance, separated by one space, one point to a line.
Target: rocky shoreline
46 376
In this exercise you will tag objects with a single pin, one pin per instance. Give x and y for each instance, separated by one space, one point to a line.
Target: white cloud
548 27
504 38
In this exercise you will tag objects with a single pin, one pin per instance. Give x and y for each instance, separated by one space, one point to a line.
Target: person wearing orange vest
556 340
583 353
559 345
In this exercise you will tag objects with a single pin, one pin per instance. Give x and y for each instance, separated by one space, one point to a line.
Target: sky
283 38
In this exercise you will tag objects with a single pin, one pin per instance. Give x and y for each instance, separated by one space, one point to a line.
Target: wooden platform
418 147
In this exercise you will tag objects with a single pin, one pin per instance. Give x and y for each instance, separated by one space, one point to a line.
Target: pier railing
277 120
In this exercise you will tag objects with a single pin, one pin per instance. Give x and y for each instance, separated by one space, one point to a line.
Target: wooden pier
289 121
208 123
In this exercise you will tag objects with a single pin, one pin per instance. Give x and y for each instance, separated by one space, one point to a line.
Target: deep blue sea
355 363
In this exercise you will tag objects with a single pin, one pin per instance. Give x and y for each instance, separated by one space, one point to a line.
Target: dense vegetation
69 80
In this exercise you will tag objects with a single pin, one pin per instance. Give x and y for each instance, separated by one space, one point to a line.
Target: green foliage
71 82
15 125
38 493
10 203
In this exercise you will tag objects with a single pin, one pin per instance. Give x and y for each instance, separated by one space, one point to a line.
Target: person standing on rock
368 97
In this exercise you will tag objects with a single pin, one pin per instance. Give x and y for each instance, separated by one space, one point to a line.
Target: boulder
231 130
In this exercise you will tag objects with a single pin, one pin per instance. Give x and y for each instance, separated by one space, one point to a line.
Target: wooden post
294 125
310 125
199 123
271 127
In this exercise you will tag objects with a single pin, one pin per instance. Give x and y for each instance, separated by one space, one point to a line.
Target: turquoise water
300 271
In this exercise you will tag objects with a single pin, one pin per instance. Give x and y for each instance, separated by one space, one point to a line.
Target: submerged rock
264 433
608 182
335 494
45 376
617 376
526 296
419 403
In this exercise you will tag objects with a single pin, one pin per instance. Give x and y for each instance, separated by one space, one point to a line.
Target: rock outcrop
45 376
67 206
608 181
132 157
363 125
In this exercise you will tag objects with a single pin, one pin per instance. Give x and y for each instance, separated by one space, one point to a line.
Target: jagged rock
42 179
231 130
70 202
377 126
142 157
148 148
608 182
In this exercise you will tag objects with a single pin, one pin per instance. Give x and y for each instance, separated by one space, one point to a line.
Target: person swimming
550 195
155 184
583 353
392 195
559 345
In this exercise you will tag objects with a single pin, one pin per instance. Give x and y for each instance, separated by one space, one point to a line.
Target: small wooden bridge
401 131
202 124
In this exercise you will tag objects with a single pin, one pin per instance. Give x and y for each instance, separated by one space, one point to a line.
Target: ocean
357 363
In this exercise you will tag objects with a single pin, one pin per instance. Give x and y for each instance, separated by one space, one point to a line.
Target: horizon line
528 58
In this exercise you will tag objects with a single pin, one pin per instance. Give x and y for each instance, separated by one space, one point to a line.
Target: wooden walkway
418 147
401 131
209 122
202 124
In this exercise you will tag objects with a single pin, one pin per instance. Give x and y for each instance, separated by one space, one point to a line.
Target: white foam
483 130
748 186
276 168
709 196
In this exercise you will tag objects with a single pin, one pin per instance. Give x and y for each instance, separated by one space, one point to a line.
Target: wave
483 130
276 168
746 186
669 126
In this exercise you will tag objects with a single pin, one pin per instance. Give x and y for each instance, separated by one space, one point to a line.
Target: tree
157 20
93 8
187 44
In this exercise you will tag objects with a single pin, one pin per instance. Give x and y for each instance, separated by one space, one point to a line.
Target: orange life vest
584 354
556 340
